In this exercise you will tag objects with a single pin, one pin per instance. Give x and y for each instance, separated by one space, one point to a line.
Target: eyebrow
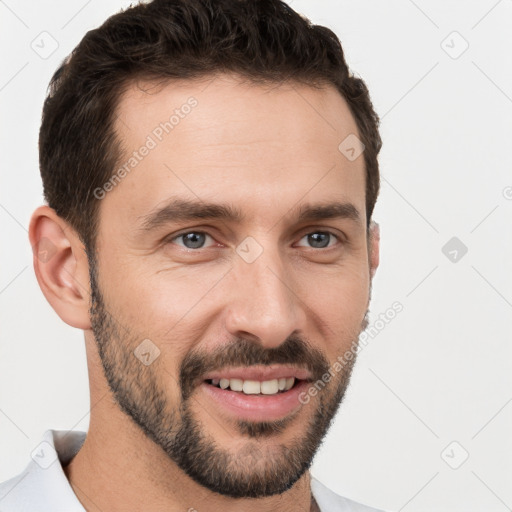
182 210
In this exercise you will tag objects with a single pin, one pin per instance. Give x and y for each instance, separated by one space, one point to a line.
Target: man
210 168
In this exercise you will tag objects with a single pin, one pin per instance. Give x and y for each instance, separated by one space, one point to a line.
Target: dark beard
252 472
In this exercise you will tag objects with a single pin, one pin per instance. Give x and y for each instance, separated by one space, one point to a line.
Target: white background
440 371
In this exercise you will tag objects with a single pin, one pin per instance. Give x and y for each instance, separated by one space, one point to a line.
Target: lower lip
257 407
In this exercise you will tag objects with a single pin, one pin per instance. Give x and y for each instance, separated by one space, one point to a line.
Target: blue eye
320 239
197 239
193 239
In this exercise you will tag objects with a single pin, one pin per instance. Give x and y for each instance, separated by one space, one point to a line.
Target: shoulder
329 501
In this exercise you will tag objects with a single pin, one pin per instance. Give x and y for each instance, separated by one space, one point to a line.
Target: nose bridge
264 304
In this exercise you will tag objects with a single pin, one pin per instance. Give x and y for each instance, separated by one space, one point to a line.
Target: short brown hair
260 40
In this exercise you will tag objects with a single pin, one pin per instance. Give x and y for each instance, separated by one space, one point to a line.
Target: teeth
255 387
270 387
236 384
251 387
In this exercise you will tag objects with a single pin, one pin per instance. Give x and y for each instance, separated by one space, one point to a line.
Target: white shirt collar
43 486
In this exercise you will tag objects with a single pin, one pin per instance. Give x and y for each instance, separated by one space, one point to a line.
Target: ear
61 266
374 249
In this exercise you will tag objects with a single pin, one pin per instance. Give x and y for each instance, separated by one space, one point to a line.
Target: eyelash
336 236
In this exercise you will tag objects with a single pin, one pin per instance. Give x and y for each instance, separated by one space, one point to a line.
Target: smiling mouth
260 398
255 387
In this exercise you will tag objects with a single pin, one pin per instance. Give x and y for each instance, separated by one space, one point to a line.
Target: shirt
44 487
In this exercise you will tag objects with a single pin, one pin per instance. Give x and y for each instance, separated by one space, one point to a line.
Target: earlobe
374 241
61 266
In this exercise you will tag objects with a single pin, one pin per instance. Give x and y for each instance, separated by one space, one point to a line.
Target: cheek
340 300
159 304
167 307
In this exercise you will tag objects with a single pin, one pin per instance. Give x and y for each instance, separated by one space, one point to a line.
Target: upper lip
260 373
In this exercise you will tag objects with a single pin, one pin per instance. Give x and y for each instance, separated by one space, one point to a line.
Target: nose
264 304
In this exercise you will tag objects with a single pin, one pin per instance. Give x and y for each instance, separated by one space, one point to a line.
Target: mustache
243 352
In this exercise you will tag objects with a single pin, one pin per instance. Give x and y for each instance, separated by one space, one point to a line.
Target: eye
197 239
320 239
192 239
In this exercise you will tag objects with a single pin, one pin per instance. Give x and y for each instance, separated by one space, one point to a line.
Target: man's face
187 306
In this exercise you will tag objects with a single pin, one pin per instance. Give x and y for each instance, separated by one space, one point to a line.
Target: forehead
229 109
258 147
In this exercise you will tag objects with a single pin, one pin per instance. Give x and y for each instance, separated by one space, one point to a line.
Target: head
209 213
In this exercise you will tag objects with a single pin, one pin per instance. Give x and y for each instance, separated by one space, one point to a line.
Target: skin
267 151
